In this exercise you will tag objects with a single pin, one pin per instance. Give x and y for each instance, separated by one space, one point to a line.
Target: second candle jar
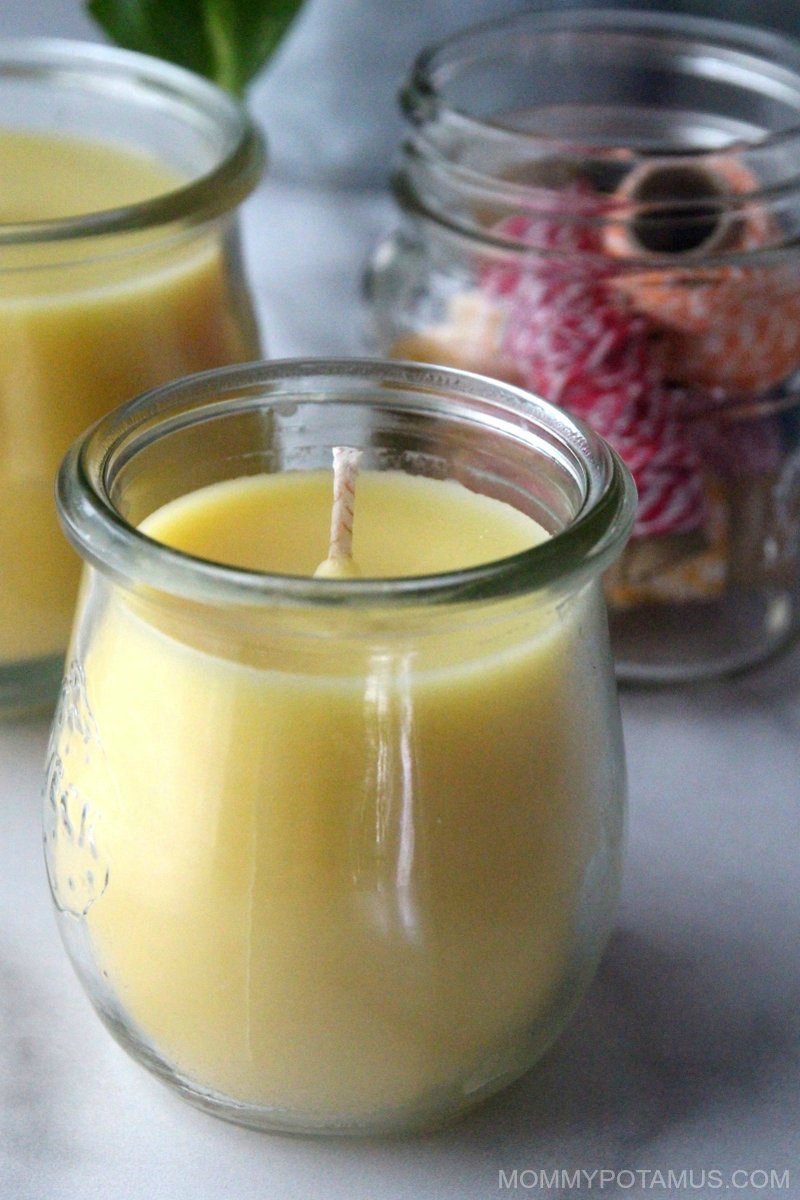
338 854
603 207
120 268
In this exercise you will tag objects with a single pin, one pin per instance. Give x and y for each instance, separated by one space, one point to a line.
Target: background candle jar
603 207
338 854
119 269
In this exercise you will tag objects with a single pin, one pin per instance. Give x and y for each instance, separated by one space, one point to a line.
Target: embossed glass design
337 855
120 268
603 206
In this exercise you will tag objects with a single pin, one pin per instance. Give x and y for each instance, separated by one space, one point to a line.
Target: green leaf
227 40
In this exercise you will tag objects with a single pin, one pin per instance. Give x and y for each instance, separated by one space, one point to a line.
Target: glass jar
603 207
120 269
338 855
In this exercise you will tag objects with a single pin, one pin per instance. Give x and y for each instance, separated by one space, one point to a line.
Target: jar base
30 687
685 643
437 1109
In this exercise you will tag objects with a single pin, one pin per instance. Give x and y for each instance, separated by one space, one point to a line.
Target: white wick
339 563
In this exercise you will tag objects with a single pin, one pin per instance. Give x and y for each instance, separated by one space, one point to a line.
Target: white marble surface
686 1052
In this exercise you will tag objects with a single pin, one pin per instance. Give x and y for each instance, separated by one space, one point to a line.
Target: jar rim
105 538
461 157
96 67
423 99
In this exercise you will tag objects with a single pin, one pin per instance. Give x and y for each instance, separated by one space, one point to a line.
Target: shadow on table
772 688
660 1035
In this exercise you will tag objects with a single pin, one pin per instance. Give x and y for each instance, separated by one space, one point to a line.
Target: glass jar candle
120 269
603 207
338 854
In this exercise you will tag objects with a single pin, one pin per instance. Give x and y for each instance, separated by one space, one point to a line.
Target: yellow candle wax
84 325
343 878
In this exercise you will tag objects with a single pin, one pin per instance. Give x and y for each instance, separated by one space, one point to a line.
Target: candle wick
340 549
345 473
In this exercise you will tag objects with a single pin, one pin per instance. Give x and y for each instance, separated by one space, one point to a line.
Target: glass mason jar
120 269
337 855
603 207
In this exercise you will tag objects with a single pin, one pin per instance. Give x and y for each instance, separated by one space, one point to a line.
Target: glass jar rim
423 99
93 523
103 68
739 172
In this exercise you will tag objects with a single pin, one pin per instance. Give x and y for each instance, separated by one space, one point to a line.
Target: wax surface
346 883
405 524
82 329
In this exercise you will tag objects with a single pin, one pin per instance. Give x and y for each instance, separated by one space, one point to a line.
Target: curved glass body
602 206
338 855
120 269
